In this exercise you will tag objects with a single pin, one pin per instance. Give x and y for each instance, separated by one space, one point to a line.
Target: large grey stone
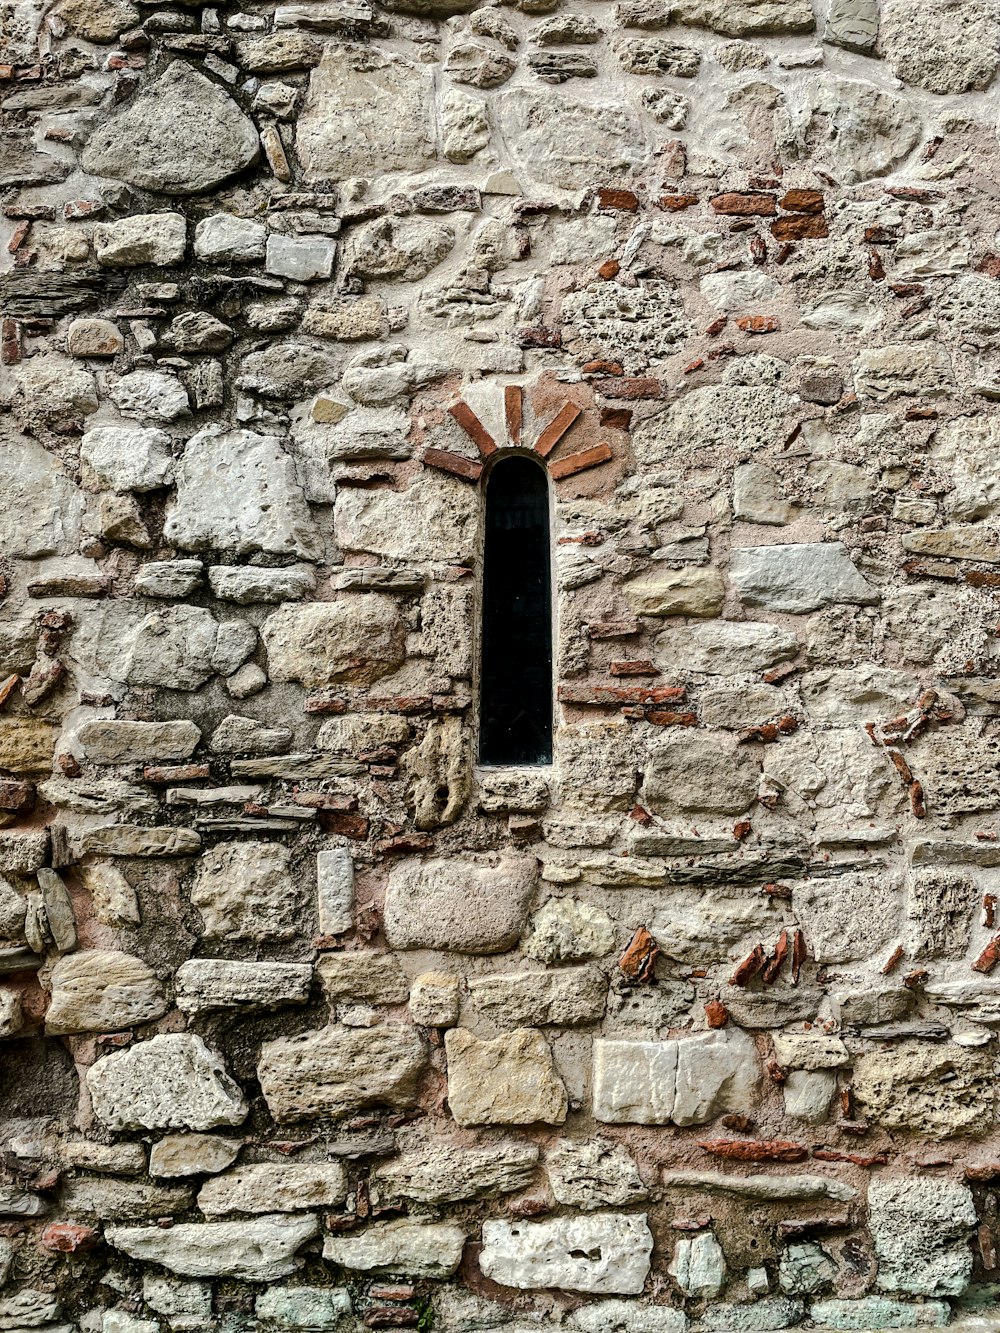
319 1308
440 1173
41 509
868 1312
562 998
274 1187
126 458
700 771
101 990
244 890
593 1174
182 135
752 417
111 742
404 1248
363 975
143 238
856 130
356 639
367 112
684 1082
256 1249
180 647
224 238
168 1082
724 647
205 984
799 577
568 930
616 1316
746 18
942 47
921 1230
250 584
902 370
237 491
458 904
567 142
508 1081
339 1070
608 1253
435 520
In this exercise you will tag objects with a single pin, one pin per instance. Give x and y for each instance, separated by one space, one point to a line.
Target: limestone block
747 18
26 745
355 639
853 24
98 22
699 1265
857 130
101 990
880 1312
941 48
593 1174
939 1090
758 496
206 984
850 918
805 1269
41 508
274 1187
405 1249
767 1313
126 458
244 890
245 735
319 1308
566 930
756 417
562 140
635 325
301 258
335 890
799 577
367 112
289 370
700 771
168 1082
256 1249
177 647
340 1070
94 337
143 238
465 129
224 238
433 521
607 1253
150 395
508 1081
439 1173
628 1317
182 135
186 1304
405 249
685 1082
363 974
942 906
435 999
113 742
677 592
237 490
192 1155
458 904
440 773
902 370
961 542
113 1200
249 584
137 840
566 997
921 1231
169 578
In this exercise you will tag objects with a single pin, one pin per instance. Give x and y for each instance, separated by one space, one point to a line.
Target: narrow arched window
515 683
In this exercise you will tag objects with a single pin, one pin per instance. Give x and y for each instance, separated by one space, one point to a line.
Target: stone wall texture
310 1023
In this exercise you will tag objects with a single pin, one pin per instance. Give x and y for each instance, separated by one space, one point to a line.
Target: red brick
755 1150
620 694
745 205
800 227
68 1237
629 389
474 428
513 406
671 719
716 1014
803 201
603 368
557 428
609 269
758 324
580 462
621 201
675 203
635 668
443 459
637 962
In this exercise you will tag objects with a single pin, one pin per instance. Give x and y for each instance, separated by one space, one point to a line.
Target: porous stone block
126 458
143 238
205 984
510 1080
921 1231
356 640
462 905
256 1249
438 1173
320 1308
363 974
677 592
607 1253
244 890
102 990
168 1082
224 238
593 1174
274 1187
566 997
335 890
192 1155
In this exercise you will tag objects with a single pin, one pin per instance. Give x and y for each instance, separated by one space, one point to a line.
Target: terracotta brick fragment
16 797
539 337
165 773
616 418
619 201
391 1316
392 1291
7 688
750 966
799 954
777 960
620 694
989 957
613 629
68 1237
641 816
609 270
989 910
557 428
917 800
749 204
513 407
737 1122
716 1014
900 765
894 959
637 962
759 324
779 673
676 203
405 842
692 366
803 201
636 668
800 227
981 578
474 428
912 193
443 459
643 387
660 718
742 829
603 368
347 825
586 458
755 1150
10 341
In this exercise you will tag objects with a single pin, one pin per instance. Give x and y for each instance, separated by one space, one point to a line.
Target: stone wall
307 1022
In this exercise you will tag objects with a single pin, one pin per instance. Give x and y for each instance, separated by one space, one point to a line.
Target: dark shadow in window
515 690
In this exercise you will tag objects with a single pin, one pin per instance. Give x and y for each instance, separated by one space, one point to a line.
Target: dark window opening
515 691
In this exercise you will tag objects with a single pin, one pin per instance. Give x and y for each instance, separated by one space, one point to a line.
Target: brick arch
545 441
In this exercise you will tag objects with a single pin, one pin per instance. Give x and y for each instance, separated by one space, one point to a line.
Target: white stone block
607 1253
335 890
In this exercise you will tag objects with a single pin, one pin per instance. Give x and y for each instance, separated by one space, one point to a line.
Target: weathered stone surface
677 592
192 1155
921 1232
244 890
254 1250
145 238
168 1082
747 18
564 998
367 111
226 239
355 639
567 930
150 395
26 745
699 1265
405 1249
94 337
700 772
935 1089
433 522
849 918
136 840
113 742
205 984
335 890
182 135
561 140
339 1070
593 1174
607 1254
274 1187
43 508
724 647
180 647
102 990
857 130
237 491
880 1312
798 578
125 458
510 1080
464 905
713 418
123 1200
437 1173
684 1082
628 1317
902 370
321 1308
363 974
941 48
764 1188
